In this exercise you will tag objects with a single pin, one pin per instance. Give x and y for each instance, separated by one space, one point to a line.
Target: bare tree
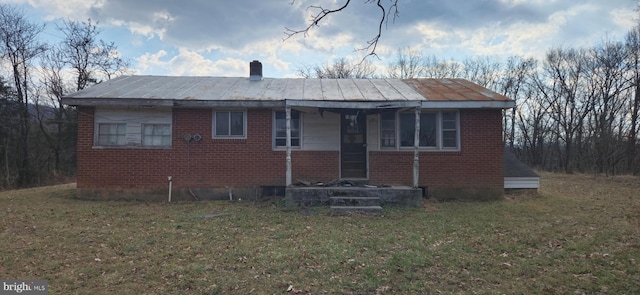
20 47
436 68
340 69
92 60
9 116
60 137
566 70
534 125
608 78
408 64
633 59
388 11
511 84
484 71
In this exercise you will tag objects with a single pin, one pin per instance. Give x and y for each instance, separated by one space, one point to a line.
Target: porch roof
178 91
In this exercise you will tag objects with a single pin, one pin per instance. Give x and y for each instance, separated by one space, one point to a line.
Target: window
156 134
132 127
280 128
229 124
110 134
427 129
449 129
438 130
388 130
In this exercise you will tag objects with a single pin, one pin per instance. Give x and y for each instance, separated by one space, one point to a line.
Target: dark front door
353 147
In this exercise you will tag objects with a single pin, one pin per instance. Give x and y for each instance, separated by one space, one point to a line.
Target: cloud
461 29
190 63
67 9
203 37
199 24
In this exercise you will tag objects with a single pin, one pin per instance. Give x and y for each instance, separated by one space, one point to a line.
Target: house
220 137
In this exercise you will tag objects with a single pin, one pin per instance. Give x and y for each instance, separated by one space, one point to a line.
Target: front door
353 145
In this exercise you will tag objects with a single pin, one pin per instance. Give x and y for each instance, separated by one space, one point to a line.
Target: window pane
147 140
387 124
449 139
104 128
147 130
156 135
237 123
280 132
428 129
449 120
164 129
166 140
386 116
407 129
388 129
112 134
222 124
156 140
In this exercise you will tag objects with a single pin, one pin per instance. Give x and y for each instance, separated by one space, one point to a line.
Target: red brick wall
478 164
252 162
212 162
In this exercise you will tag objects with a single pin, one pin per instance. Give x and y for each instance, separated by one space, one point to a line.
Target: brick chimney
255 70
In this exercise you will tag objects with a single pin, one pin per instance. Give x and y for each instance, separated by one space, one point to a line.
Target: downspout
416 151
288 119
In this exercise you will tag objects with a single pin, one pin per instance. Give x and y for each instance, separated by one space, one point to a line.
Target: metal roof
272 92
513 167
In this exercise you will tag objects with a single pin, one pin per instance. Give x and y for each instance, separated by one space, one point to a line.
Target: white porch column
416 150
288 118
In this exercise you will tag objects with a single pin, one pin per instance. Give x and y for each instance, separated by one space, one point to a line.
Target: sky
220 38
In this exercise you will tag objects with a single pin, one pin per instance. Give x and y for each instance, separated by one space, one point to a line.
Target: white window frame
274 131
143 135
439 131
442 130
98 135
230 136
133 119
394 138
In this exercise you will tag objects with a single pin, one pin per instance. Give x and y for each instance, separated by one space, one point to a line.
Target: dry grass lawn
579 235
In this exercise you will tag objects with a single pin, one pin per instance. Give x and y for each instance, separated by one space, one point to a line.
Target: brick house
219 136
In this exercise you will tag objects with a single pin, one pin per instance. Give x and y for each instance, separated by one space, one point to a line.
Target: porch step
341 205
359 209
354 201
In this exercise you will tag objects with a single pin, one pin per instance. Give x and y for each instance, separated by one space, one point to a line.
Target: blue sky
220 38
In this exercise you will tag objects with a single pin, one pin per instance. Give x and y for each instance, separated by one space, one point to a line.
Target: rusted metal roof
453 90
210 91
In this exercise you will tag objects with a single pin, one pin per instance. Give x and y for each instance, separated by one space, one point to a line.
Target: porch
353 198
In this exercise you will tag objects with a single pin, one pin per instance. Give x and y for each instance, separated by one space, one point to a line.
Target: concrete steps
343 205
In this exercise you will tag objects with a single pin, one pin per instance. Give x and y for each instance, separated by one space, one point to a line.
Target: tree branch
315 19
372 44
